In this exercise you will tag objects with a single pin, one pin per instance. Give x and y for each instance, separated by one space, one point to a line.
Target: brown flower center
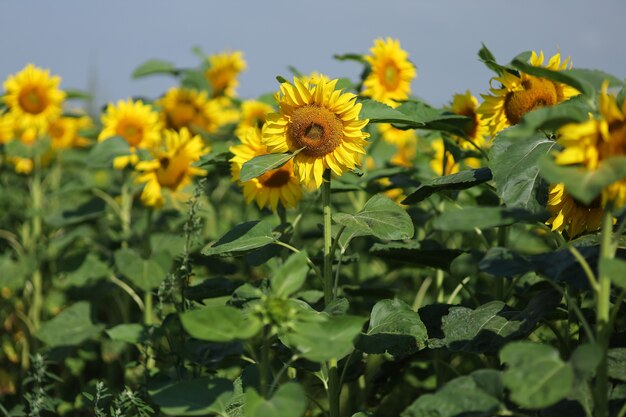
33 99
390 75
181 116
471 127
172 171
316 129
537 93
130 131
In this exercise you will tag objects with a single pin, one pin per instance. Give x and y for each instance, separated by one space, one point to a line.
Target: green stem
264 365
147 319
125 211
334 389
439 286
329 294
33 243
603 304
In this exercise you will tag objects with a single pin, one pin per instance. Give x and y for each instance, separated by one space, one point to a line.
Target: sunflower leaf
487 58
155 66
584 185
472 218
459 181
104 152
259 165
241 239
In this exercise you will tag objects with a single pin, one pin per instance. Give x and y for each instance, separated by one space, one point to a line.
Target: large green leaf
425 253
491 325
71 327
144 273
395 328
71 213
471 218
477 395
259 165
459 181
513 162
614 269
288 401
617 363
380 217
155 66
193 397
242 238
129 332
220 324
103 153
322 341
585 185
535 374
290 277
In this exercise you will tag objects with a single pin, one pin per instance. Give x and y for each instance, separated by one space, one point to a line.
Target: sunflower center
472 126
33 100
172 171
537 93
130 131
390 76
316 129
181 115
276 178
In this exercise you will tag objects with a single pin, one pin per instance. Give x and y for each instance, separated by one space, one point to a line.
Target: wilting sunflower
273 186
136 122
223 71
65 132
572 215
171 167
321 122
391 74
518 95
253 114
587 144
190 108
467 105
33 97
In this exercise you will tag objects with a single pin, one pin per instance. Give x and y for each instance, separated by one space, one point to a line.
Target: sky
95 46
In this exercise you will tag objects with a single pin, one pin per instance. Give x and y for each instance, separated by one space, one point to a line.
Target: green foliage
103 153
459 181
242 238
259 165
220 324
155 66
288 401
192 397
146 274
71 327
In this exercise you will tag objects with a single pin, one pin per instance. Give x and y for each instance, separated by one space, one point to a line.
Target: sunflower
273 186
467 105
223 71
171 167
136 122
391 74
253 114
571 214
396 136
191 109
33 97
519 94
65 132
6 128
405 154
321 122
438 165
587 144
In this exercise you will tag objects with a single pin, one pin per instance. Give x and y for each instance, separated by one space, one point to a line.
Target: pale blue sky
96 45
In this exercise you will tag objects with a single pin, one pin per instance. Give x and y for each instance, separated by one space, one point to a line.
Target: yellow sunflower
571 214
65 132
6 128
467 105
223 71
191 109
33 97
587 144
253 114
396 136
136 122
438 165
405 155
391 74
172 167
518 95
321 122
273 186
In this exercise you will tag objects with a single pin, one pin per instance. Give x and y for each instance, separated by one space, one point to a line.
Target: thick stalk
34 240
334 390
603 304
126 210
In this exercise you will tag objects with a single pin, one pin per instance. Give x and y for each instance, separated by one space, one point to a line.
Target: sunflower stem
35 238
329 294
126 204
603 303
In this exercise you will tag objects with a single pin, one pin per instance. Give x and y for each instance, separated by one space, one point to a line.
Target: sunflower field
337 247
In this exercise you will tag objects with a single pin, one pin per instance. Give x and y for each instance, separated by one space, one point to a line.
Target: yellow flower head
191 109
396 136
65 132
223 71
440 166
136 122
171 167
322 122
33 97
587 144
253 114
571 214
273 186
467 105
518 95
6 128
392 72
405 155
